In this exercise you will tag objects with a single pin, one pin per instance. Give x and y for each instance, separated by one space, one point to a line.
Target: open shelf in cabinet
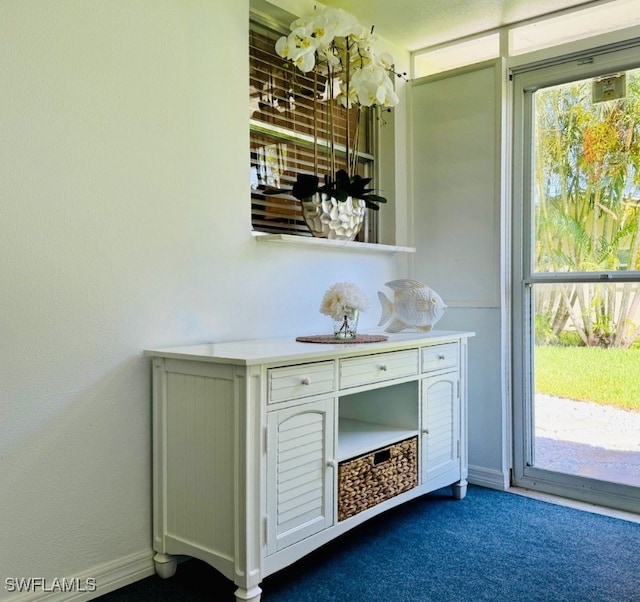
356 437
369 420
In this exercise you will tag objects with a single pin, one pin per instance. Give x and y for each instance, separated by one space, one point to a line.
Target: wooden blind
290 129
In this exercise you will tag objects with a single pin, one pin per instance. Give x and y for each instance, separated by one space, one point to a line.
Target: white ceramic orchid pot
329 218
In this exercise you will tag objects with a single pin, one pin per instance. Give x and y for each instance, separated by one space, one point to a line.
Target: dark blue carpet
490 546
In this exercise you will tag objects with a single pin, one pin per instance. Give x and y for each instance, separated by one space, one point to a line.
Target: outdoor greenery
607 376
587 211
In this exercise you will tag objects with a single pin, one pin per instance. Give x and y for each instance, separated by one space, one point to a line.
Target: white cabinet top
267 351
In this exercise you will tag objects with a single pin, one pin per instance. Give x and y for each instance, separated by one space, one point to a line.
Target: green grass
607 376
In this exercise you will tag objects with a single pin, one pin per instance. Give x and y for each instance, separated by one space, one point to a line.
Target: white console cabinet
249 438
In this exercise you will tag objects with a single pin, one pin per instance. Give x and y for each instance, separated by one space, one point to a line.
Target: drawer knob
383 367
332 464
306 381
441 356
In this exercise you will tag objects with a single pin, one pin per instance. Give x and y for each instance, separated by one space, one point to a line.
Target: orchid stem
348 107
315 121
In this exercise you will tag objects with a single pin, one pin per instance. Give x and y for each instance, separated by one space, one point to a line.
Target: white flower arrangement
350 73
334 37
341 298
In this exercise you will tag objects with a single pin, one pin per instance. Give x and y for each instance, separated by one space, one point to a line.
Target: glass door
576 251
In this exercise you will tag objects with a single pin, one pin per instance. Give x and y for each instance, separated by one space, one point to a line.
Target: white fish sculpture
414 305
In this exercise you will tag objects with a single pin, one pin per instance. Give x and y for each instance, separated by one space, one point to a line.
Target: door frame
525 80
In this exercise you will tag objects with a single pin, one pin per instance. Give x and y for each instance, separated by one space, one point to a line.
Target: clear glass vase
345 326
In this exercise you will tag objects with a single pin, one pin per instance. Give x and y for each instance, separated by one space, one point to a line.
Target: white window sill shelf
310 241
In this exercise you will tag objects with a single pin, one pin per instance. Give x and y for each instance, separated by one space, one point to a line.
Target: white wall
457 190
124 225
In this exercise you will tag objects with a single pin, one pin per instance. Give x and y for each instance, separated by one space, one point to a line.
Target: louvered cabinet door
441 427
300 500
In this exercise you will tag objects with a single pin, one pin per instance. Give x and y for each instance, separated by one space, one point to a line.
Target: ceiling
417 24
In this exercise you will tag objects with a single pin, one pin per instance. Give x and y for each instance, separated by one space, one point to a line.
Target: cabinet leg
165 565
459 490
248 595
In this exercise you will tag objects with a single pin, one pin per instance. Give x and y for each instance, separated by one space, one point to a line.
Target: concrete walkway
587 439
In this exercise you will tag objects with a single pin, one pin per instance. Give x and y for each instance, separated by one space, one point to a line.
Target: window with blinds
291 124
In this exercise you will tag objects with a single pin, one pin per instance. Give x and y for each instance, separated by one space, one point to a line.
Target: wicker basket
372 478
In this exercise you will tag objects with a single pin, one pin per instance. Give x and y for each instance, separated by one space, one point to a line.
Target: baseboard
91 584
487 477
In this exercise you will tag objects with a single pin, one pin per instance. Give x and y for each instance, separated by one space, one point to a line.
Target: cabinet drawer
439 357
292 382
357 371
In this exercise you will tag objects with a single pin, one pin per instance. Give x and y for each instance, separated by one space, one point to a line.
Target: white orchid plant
334 37
333 41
